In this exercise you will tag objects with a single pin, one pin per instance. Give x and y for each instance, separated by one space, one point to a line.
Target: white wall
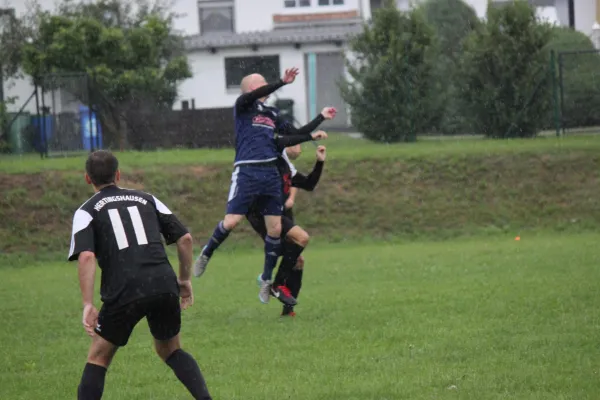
249 17
208 89
187 22
585 15
20 88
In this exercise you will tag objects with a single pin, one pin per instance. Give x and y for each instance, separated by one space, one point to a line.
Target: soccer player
256 177
121 229
288 281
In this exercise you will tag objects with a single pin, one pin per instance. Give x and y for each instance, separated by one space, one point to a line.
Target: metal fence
579 91
74 115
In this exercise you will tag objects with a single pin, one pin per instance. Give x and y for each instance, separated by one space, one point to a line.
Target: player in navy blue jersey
287 283
256 178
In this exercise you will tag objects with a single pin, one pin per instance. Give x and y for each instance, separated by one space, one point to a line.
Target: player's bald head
252 82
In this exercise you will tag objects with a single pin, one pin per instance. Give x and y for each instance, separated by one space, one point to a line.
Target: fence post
562 92
555 92
44 121
37 114
90 127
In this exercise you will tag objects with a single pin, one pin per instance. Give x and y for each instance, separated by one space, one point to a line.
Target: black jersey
292 178
123 229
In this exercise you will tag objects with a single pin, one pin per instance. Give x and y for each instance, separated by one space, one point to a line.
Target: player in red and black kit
288 281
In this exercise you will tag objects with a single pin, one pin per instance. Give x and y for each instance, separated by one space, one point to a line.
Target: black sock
91 386
291 252
187 371
294 282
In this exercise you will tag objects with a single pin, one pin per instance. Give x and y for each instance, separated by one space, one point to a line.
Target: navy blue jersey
255 127
257 123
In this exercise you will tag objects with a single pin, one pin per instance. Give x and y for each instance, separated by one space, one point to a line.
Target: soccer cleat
201 263
288 311
291 314
264 294
283 294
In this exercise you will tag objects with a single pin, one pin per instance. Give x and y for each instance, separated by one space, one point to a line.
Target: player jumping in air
122 229
256 177
288 280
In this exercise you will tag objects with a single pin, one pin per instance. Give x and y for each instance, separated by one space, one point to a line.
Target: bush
453 21
503 75
581 78
391 86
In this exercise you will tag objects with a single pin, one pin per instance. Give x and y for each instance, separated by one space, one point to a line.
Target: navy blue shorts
261 185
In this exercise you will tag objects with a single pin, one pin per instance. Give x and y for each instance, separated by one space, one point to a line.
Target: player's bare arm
185 254
87 275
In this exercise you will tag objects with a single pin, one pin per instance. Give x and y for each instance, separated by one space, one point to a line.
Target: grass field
340 146
434 189
414 287
465 319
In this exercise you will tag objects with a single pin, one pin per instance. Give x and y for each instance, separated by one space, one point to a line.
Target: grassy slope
431 189
469 319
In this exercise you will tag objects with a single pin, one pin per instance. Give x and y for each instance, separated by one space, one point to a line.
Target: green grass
428 190
464 319
340 146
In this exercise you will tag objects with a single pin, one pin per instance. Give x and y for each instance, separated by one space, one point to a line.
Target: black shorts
257 221
116 322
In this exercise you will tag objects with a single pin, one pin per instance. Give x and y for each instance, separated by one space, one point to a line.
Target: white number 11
138 227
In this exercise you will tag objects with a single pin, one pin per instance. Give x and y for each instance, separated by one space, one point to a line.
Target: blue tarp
86 134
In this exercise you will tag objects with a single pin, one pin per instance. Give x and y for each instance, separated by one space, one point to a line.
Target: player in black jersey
122 229
288 281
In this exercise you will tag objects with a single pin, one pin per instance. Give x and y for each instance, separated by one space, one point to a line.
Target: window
216 19
330 2
237 68
296 3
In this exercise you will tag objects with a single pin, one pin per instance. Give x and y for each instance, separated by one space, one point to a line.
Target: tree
581 78
453 21
130 53
504 73
391 84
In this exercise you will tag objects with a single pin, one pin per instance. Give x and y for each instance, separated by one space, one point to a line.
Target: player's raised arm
283 141
254 87
310 182
287 128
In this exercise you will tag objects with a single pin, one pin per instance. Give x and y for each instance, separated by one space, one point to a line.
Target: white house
228 38
237 37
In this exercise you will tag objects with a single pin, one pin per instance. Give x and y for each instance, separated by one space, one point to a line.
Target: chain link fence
579 91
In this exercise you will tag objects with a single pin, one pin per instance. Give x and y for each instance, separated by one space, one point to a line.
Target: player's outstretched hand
321 153
186 293
319 135
89 319
290 75
329 112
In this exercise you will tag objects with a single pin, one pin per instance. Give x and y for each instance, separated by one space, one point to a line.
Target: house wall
19 88
249 17
208 87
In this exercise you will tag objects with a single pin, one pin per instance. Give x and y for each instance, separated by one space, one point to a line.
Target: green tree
453 21
581 78
503 74
391 64
132 57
